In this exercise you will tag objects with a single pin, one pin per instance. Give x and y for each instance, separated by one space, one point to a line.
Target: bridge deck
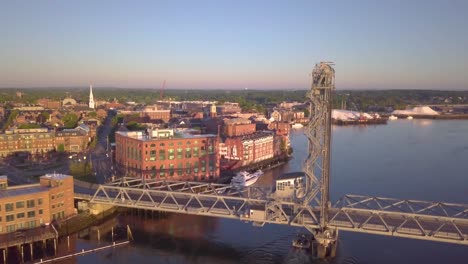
384 216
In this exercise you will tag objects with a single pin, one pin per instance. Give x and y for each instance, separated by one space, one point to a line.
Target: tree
43 117
70 120
60 148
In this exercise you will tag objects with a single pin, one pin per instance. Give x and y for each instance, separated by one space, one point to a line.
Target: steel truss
436 221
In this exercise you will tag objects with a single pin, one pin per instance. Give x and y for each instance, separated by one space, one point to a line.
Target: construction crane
161 91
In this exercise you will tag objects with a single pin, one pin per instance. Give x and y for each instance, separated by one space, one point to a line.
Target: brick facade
169 156
29 206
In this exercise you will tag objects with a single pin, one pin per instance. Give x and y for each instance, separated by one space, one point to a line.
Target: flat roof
141 135
56 176
291 175
22 190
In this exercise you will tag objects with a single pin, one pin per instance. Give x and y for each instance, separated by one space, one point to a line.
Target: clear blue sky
234 44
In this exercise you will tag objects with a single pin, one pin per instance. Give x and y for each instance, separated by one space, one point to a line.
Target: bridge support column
326 243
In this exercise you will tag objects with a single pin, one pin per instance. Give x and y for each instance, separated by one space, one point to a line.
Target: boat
302 241
392 117
297 125
409 117
245 178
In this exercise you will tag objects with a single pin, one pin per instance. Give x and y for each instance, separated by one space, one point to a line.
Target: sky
234 44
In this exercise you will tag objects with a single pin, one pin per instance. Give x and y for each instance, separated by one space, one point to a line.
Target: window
203 165
212 166
153 145
41 211
20 215
171 170
210 149
179 153
153 155
162 172
188 152
39 201
30 203
195 167
31 214
171 154
10 228
188 168
9 207
162 154
195 152
19 204
10 218
180 168
161 145
188 143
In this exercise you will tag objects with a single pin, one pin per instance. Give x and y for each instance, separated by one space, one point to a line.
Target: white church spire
91 98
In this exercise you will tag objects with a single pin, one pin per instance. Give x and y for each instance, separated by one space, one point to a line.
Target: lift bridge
310 206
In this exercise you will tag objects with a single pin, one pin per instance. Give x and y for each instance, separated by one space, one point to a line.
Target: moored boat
392 117
245 178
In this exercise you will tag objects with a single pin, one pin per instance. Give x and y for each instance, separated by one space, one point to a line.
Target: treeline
258 100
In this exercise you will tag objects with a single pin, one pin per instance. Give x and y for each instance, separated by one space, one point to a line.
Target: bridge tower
317 165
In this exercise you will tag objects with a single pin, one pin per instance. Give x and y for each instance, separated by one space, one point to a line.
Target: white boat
297 125
244 178
392 117
409 117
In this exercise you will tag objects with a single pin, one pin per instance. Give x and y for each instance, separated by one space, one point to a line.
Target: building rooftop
56 176
143 135
291 175
22 190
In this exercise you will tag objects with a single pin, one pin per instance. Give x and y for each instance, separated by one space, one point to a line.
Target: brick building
249 148
167 154
41 140
48 103
154 113
32 205
238 127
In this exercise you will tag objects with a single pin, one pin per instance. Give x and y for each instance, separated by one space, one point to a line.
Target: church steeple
91 98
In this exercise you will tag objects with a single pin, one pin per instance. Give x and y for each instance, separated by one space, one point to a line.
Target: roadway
101 156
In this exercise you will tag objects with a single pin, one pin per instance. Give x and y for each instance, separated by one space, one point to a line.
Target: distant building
32 205
48 103
41 140
238 127
167 154
228 108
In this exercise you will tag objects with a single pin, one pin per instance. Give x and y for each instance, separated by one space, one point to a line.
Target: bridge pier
325 244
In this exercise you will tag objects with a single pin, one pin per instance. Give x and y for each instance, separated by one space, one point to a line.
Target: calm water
418 159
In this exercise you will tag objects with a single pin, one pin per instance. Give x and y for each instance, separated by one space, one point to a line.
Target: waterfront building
249 149
32 205
167 154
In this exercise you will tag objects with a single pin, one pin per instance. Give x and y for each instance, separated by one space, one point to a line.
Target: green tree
70 120
43 117
60 148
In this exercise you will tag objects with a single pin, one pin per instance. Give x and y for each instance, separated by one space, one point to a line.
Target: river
412 159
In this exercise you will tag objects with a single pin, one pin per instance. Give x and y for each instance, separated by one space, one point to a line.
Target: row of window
22 225
135 154
30 214
22 204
